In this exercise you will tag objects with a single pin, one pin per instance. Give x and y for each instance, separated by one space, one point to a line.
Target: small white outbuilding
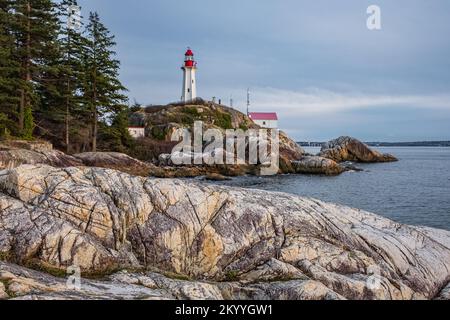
137 132
267 120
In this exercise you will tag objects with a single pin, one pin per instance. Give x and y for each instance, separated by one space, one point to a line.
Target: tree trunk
24 94
68 97
95 115
21 109
94 132
67 120
28 42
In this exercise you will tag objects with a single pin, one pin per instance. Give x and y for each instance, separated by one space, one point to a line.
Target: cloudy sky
313 62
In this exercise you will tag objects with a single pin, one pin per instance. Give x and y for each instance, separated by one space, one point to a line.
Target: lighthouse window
192 81
189 90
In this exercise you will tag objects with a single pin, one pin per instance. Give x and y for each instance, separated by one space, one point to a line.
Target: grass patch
39 266
61 272
181 118
232 275
176 276
5 256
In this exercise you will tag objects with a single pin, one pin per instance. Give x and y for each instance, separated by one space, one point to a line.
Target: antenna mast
248 101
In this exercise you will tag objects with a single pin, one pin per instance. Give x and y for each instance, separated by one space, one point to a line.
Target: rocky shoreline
332 160
186 240
161 122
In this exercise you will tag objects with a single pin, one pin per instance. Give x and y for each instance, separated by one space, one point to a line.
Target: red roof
189 52
263 115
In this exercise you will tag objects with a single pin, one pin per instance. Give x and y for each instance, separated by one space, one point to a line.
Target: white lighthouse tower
189 83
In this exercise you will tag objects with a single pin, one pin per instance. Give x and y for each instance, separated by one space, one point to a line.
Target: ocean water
415 190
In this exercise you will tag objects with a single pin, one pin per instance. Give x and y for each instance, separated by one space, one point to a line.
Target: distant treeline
410 144
388 144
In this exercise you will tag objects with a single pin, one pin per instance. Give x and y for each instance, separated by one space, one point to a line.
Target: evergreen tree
120 125
65 80
9 71
116 137
102 88
66 106
36 28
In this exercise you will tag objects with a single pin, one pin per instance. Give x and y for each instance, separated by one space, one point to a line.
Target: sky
315 63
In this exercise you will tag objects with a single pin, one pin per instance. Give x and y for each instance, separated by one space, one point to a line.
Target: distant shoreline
388 144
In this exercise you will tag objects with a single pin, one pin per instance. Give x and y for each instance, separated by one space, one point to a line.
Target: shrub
191 111
232 275
28 124
159 133
243 126
223 120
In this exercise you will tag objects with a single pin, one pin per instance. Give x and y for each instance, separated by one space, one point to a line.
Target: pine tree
116 137
9 71
102 88
120 124
36 28
68 107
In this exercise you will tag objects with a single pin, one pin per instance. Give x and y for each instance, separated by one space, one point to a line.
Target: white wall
270 124
189 84
137 132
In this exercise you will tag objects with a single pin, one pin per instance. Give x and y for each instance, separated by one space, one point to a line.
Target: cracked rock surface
229 242
15 154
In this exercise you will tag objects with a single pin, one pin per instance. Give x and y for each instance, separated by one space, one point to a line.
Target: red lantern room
189 59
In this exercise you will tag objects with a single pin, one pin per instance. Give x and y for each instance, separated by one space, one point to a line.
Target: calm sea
415 190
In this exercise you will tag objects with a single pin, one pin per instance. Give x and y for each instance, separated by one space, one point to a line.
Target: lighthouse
189 83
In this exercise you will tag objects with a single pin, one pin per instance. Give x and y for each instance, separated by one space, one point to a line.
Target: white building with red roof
267 120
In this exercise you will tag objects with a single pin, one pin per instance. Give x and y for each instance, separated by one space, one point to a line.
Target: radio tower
248 101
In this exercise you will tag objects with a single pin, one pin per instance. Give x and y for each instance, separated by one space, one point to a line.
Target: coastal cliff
223 242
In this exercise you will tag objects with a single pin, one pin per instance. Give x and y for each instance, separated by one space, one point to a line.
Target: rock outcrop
21 283
292 159
15 153
121 162
349 149
103 220
445 293
162 121
317 165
